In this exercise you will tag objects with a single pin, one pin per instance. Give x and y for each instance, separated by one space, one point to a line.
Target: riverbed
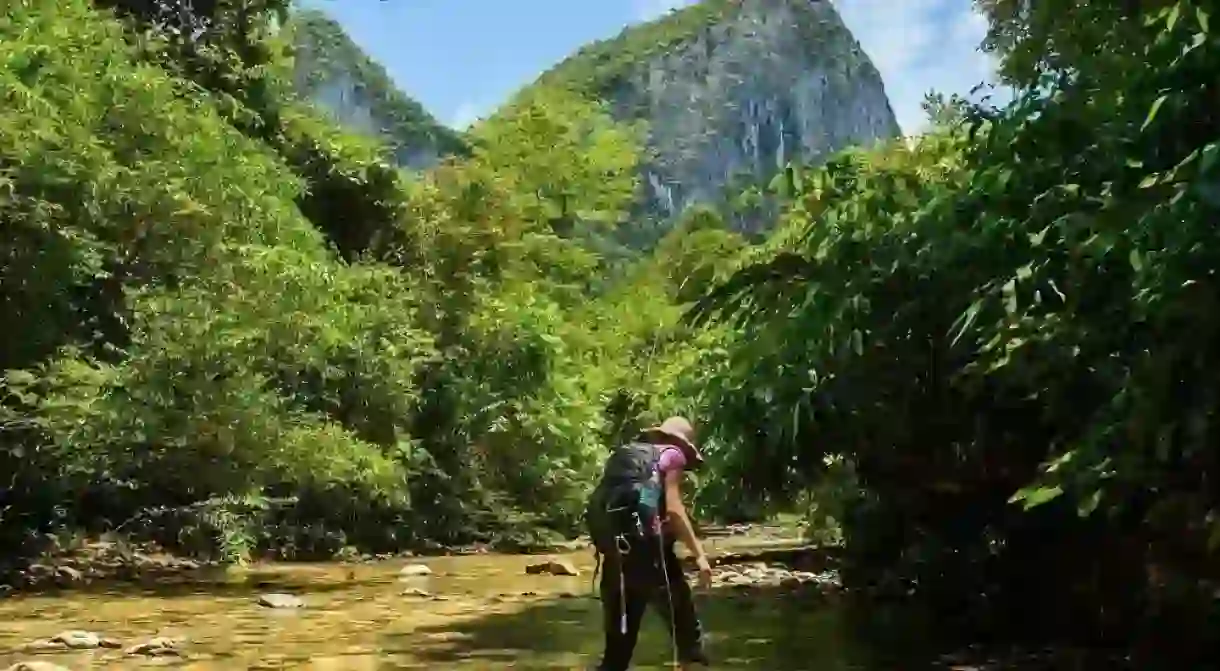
481 611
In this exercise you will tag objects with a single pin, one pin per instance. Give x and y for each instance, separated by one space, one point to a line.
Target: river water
474 612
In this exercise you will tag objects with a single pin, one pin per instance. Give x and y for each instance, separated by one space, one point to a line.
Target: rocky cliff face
339 77
732 90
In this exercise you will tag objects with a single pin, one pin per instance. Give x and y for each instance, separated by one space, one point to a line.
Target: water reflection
746 630
479 612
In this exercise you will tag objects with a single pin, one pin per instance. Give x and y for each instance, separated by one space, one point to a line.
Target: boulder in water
280 601
78 640
552 567
414 570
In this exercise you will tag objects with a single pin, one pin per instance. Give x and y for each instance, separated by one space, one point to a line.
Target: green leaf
21 378
1213 537
1175 12
1209 157
1036 496
1061 461
1156 107
1090 503
1009 291
1137 261
967 319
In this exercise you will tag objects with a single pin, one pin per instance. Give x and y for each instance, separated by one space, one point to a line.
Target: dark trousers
628 584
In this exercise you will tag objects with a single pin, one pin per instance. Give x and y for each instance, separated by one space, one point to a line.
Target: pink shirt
671 459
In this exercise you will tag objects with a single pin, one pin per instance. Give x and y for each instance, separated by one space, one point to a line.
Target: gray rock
553 567
77 639
68 574
738 97
157 647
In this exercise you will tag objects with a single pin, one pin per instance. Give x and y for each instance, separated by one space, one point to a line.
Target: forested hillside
335 74
240 329
729 92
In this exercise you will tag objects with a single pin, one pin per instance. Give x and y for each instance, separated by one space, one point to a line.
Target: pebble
36 666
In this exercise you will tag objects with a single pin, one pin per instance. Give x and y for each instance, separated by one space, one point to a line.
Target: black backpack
628 502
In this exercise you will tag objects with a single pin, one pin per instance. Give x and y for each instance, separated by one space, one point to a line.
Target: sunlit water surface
475 611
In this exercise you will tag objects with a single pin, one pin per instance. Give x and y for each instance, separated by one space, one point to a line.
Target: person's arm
678 519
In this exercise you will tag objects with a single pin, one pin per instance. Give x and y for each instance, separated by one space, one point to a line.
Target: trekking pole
669 594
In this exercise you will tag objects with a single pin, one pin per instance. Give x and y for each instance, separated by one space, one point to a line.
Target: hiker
633 516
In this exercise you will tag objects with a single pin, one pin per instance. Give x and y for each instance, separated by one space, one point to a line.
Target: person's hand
705 572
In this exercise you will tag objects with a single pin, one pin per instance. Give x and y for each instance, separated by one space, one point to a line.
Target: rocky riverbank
449 587
112 560
97 562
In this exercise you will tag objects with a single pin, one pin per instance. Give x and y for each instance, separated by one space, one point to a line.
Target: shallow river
484 612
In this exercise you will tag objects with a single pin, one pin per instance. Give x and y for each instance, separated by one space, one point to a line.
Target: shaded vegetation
999 337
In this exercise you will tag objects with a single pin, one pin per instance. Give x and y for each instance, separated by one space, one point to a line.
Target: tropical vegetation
240 328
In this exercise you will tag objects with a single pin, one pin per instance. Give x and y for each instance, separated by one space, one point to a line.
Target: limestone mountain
731 91
333 72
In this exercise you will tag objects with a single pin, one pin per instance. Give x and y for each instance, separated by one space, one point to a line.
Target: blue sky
461 58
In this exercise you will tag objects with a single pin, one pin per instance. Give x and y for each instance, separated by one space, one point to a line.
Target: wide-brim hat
678 432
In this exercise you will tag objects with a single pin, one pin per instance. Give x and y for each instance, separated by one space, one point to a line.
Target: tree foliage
182 331
250 329
1008 316
565 157
247 328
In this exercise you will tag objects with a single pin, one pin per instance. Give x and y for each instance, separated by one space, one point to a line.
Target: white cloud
647 10
466 114
920 46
